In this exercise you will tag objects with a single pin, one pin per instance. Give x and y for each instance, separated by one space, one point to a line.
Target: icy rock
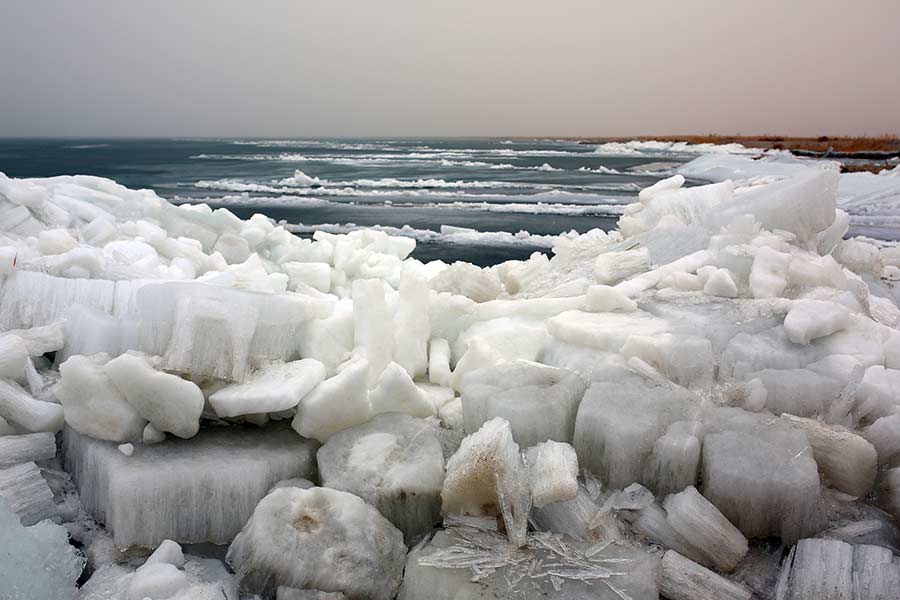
169 402
539 402
337 403
273 388
92 404
26 493
618 424
764 484
553 472
464 563
847 461
685 359
768 277
13 356
18 407
603 298
612 267
319 539
15 449
197 490
682 579
811 319
487 477
884 435
395 463
37 562
699 522
396 392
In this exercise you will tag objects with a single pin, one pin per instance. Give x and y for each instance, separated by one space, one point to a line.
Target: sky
284 68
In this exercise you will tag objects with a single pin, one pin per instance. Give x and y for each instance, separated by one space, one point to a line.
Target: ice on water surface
664 404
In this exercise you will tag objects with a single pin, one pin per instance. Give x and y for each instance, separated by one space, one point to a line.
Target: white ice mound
318 539
197 490
395 463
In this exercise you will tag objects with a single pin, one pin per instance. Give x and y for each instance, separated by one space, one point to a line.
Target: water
538 188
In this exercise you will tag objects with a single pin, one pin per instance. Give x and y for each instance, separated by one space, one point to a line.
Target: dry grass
882 143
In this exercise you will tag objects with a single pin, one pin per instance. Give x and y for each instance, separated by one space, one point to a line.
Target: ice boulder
273 388
395 463
396 392
539 402
553 471
197 490
705 528
15 449
92 404
811 319
19 407
337 403
318 539
170 403
682 579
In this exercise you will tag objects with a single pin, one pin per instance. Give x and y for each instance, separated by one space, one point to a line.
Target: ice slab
682 579
273 388
25 493
395 463
320 539
19 407
15 449
539 402
553 472
197 490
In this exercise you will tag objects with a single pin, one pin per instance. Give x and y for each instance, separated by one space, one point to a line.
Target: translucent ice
553 471
273 388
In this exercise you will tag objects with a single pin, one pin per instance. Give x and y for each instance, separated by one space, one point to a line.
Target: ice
19 408
337 403
464 563
395 463
169 402
15 449
37 562
480 285
820 569
763 482
273 388
373 325
439 361
539 402
13 355
413 327
799 392
675 460
719 283
811 319
25 492
488 477
682 579
768 276
396 392
612 267
573 518
167 552
156 580
320 539
705 528
887 491
603 298
92 405
847 461
553 472
286 593
884 435
685 359
618 424
197 490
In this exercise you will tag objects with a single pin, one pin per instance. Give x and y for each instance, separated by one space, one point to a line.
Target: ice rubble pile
720 372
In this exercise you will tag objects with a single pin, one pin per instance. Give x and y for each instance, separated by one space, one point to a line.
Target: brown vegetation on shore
822 144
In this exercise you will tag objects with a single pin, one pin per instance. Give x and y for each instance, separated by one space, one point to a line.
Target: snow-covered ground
703 403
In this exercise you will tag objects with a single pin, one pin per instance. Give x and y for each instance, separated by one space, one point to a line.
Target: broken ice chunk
685 359
884 435
539 402
847 461
720 283
412 326
618 424
603 331
887 490
682 579
17 406
319 539
569 517
816 568
876 575
13 355
168 552
464 562
553 472
675 459
288 593
273 388
373 324
24 492
92 404
487 476
612 267
197 490
811 319
15 449
156 580
603 298
170 403
337 403
395 463
699 522
768 278
396 392
439 361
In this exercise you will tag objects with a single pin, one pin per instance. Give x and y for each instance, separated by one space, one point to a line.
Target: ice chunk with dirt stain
319 539
395 463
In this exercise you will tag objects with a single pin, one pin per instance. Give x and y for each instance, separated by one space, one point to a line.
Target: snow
721 368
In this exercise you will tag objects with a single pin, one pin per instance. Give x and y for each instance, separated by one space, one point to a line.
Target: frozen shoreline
721 369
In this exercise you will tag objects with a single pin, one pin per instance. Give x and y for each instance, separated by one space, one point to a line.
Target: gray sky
453 67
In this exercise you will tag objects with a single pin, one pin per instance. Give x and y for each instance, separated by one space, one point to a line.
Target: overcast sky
452 67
